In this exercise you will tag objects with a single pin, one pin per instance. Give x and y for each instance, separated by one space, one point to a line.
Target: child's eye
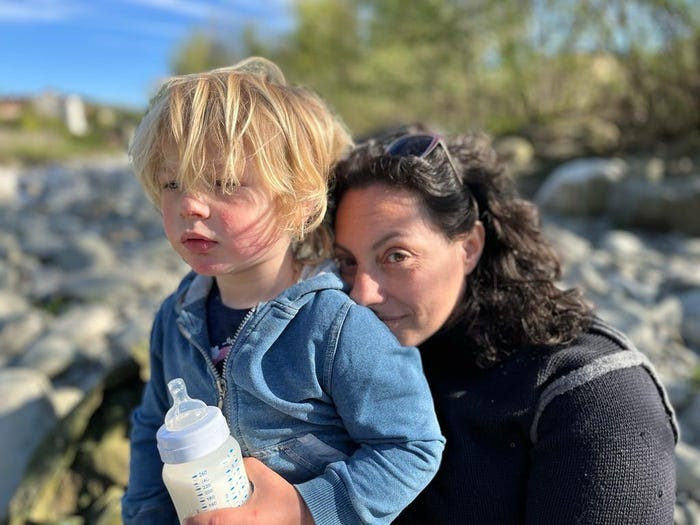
170 185
225 186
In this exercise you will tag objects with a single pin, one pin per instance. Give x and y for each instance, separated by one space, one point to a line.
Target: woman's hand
274 501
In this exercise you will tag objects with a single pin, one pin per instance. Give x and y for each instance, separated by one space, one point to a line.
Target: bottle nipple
185 410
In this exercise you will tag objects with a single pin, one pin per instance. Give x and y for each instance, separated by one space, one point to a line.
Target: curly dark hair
511 299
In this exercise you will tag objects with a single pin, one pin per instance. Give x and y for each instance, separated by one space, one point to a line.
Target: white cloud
38 10
183 7
220 10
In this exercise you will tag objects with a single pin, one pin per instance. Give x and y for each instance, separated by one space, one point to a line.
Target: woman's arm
604 453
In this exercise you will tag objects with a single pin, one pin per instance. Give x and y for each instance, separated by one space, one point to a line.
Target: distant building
70 109
74 115
11 109
48 104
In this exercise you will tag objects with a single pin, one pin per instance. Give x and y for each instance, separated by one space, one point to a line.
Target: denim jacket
314 386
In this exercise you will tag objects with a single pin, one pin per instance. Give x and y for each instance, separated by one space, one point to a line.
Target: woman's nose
365 289
194 204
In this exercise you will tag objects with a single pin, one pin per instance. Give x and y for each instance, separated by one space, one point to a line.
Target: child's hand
274 501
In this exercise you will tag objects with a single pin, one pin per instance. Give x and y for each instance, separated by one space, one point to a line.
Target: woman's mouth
391 320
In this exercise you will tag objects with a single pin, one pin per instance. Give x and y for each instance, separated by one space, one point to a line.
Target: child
311 384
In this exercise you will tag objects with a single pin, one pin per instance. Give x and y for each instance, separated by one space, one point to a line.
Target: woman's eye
345 265
396 257
171 185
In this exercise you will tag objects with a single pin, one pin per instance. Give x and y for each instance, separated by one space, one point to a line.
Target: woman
550 415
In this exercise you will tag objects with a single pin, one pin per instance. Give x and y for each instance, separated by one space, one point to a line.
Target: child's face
219 233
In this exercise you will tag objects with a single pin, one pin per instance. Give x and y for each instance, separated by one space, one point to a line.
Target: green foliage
499 65
200 53
695 377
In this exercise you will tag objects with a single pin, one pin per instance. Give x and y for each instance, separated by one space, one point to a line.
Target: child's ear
473 246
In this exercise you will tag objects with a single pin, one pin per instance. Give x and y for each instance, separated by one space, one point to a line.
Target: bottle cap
192 429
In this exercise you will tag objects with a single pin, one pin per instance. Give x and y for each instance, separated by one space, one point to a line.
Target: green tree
499 65
200 52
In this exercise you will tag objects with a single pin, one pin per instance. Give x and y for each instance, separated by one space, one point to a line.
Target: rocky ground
84 265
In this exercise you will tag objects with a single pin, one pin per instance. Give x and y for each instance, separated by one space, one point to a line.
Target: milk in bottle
203 469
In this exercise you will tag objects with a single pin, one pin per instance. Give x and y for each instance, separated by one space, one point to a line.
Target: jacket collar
195 287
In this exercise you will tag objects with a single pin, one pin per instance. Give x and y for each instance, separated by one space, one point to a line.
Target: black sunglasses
420 145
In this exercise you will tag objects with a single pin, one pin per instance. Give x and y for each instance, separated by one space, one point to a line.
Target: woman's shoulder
599 350
603 354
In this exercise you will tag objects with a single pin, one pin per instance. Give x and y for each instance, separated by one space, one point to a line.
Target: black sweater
581 434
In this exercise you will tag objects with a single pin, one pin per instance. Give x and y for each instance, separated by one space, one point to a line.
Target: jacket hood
195 287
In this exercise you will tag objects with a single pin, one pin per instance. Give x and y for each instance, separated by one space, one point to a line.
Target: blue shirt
222 325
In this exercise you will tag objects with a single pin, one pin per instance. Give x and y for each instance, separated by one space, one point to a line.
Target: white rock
11 304
19 331
86 324
622 243
26 415
9 186
64 399
52 355
580 187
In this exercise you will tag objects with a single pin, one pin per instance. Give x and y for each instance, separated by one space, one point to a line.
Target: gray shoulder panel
603 365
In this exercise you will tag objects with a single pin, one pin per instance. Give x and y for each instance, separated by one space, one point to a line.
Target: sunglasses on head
420 145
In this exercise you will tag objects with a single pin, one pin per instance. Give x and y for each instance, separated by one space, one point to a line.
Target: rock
108 508
38 239
58 500
680 392
691 419
48 484
580 187
86 324
43 282
687 468
11 305
670 206
110 288
87 250
134 335
622 244
65 399
691 318
687 511
9 186
26 415
51 355
20 330
110 456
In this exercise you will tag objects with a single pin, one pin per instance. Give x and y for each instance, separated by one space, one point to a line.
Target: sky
113 52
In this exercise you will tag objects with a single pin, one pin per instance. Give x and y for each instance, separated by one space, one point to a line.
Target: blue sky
111 51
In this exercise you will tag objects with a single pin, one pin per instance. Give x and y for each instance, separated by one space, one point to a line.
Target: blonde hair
218 121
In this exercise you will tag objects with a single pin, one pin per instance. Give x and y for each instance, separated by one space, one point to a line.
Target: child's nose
194 204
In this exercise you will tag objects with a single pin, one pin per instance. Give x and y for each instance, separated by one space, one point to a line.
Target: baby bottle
203 469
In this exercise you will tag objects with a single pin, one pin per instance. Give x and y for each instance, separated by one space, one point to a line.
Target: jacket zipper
221 386
220 377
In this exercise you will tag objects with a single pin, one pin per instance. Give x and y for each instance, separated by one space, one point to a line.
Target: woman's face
398 262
